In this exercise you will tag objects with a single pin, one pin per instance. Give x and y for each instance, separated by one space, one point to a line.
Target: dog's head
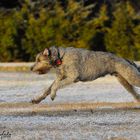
46 60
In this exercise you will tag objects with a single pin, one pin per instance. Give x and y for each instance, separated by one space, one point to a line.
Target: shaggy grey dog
74 64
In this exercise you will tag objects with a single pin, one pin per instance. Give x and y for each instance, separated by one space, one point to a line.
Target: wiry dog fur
84 65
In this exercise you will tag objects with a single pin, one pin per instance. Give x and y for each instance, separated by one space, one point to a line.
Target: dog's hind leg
128 87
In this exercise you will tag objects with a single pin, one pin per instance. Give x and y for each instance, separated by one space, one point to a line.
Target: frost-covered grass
99 125
21 87
102 122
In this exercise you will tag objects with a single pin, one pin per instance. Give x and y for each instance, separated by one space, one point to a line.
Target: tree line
28 29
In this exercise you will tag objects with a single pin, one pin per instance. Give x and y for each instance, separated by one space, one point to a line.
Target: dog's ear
54 53
46 52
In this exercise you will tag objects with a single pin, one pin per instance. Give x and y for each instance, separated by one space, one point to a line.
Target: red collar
58 62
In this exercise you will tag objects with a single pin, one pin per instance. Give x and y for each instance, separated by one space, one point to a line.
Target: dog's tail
129 70
128 74
134 64
128 87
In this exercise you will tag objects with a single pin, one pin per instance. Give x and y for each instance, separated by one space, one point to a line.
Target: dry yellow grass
15 69
28 108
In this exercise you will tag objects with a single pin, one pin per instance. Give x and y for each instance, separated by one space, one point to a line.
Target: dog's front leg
47 92
60 84
43 96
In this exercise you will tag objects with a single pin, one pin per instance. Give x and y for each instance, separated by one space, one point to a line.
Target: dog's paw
53 96
33 101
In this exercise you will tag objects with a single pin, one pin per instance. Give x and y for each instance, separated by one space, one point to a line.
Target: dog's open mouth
40 72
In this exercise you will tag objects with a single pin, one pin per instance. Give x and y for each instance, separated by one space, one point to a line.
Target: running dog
74 64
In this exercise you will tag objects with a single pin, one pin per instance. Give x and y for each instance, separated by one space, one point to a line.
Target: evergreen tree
137 42
56 26
7 34
120 37
99 24
12 27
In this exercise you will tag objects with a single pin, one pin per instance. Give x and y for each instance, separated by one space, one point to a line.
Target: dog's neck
59 52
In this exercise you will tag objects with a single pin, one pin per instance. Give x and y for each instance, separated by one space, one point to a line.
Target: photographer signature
5 134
